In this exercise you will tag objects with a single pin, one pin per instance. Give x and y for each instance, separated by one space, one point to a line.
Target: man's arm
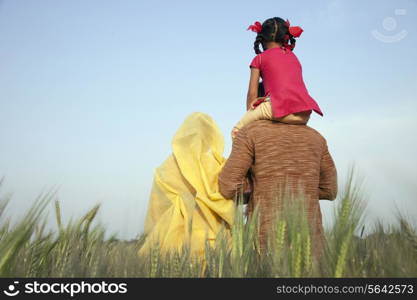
328 176
237 165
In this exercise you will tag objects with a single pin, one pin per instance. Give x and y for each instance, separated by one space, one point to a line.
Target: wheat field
80 249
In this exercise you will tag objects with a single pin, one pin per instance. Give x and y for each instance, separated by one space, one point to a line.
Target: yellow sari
185 206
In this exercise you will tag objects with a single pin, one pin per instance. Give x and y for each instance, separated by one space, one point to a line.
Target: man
282 157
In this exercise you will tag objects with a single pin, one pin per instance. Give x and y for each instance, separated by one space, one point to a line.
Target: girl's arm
253 87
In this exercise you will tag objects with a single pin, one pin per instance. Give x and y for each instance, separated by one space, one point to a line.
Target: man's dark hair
261 89
273 30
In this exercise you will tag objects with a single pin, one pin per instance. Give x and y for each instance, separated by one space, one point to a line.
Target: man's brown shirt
282 157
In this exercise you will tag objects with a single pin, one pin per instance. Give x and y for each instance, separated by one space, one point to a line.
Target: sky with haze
92 92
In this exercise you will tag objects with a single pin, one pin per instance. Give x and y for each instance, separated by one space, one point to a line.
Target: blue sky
91 93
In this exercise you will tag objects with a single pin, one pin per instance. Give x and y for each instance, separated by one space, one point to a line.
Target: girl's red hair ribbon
295 31
256 27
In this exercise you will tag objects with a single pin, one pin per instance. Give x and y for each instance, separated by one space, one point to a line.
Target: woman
186 207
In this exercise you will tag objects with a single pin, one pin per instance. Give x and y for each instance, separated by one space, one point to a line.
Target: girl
287 99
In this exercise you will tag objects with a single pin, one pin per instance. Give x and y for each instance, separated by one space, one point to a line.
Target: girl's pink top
283 82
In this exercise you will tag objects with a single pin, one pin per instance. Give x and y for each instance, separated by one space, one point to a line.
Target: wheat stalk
298 256
341 258
307 254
